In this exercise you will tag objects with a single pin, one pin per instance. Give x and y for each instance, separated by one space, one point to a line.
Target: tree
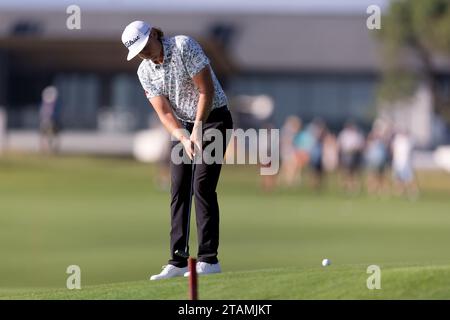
420 29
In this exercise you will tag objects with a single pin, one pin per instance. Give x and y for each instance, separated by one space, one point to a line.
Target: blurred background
364 116
313 59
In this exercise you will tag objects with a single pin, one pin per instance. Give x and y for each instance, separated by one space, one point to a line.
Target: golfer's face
152 49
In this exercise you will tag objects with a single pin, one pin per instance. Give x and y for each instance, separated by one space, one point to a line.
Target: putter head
182 254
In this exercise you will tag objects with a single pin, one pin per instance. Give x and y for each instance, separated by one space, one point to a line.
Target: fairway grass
333 282
108 217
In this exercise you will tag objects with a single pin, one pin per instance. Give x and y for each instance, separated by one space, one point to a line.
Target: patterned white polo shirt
183 58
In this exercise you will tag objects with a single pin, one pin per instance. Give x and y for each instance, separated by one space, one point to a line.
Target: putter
192 262
185 253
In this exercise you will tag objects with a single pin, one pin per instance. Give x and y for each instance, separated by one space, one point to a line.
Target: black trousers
205 179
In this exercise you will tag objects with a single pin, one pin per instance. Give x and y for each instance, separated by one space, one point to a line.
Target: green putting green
107 216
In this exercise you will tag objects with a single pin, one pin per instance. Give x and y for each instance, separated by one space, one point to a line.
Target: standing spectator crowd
315 149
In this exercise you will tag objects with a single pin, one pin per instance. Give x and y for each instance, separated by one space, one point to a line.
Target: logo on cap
129 43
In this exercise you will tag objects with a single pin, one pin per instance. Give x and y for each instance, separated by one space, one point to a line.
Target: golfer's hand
188 146
196 140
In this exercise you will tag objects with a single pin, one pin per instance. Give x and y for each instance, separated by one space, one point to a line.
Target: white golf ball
326 262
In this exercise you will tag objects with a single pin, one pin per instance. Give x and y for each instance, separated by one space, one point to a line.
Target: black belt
187 124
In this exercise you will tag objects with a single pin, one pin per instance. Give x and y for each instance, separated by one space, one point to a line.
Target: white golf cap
135 37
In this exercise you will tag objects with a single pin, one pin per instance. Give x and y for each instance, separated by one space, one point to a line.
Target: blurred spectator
330 158
49 120
318 131
304 143
289 130
268 182
2 129
376 157
402 146
162 178
351 144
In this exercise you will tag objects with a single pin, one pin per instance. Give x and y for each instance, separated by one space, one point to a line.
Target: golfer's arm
203 82
167 118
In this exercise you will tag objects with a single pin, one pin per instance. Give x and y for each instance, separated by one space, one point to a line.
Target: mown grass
108 217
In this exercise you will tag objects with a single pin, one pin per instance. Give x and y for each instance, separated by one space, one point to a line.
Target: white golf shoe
206 268
169 271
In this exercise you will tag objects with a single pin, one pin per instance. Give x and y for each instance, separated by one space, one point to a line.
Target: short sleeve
194 58
150 88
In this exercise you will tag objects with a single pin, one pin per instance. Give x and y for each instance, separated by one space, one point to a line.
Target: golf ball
326 262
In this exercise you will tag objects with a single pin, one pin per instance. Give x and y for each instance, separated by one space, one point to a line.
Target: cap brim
133 53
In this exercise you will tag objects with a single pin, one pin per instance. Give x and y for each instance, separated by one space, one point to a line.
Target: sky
344 6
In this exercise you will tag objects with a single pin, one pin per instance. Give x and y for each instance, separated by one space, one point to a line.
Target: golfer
182 88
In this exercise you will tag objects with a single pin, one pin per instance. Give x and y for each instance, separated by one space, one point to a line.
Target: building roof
263 42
